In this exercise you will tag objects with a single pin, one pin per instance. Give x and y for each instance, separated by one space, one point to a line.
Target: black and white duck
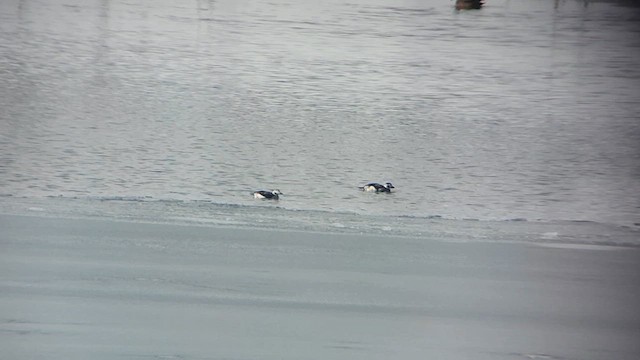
264 194
375 187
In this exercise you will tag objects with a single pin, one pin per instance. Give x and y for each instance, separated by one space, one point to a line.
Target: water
523 110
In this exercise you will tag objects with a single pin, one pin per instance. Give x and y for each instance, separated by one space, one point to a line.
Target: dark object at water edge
469 4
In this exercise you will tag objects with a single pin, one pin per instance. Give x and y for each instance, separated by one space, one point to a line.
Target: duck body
264 194
375 187
469 4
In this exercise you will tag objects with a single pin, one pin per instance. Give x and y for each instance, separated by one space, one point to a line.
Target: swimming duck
469 4
377 187
263 194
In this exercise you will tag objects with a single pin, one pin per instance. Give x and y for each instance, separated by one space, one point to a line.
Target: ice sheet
101 289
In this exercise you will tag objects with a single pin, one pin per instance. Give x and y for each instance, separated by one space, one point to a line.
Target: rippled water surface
523 109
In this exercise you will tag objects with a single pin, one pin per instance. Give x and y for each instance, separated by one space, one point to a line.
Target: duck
469 4
378 187
271 195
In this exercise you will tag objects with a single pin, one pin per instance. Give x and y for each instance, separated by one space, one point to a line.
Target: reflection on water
520 109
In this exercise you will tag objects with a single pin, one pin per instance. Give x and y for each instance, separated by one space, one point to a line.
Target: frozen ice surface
102 289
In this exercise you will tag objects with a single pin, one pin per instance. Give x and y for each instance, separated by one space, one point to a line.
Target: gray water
521 110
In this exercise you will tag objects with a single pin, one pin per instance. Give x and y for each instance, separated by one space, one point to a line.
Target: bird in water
469 4
263 194
377 187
